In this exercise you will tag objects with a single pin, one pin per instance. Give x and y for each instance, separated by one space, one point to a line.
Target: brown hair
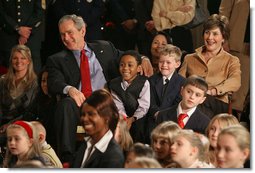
198 82
102 101
220 21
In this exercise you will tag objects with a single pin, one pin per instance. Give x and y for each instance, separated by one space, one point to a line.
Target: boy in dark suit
186 113
165 85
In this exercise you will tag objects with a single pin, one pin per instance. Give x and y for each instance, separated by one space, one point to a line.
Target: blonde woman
215 126
18 87
233 147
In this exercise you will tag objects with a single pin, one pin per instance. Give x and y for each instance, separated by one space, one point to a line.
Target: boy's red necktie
180 119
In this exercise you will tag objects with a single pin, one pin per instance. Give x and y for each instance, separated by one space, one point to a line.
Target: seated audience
186 113
212 59
99 118
131 92
165 85
65 78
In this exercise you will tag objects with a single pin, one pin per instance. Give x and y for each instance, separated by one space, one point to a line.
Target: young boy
48 152
186 113
131 92
165 85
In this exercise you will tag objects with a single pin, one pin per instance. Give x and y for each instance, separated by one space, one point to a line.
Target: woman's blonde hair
30 75
224 120
126 140
34 151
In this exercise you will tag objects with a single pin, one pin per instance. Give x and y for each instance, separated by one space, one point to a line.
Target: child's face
167 64
213 133
129 68
229 155
182 150
161 147
17 142
191 96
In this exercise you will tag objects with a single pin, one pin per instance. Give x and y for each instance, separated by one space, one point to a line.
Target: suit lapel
159 87
192 120
95 155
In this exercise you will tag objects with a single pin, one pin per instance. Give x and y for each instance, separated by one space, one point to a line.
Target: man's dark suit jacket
198 122
112 158
64 70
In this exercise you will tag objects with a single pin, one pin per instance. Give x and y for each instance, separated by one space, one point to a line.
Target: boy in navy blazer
165 85
193 93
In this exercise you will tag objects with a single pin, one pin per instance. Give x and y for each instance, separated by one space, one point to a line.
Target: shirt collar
169 77
190 112
103 143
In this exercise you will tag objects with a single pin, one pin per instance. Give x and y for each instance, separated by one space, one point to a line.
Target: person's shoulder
60 54
98 42
201 114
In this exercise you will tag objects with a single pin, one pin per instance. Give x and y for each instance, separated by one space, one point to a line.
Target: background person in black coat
21 23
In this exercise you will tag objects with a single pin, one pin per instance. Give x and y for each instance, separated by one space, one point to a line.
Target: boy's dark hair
198 82
134 54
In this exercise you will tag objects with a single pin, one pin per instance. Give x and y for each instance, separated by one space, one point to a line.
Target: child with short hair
213 129
138 150
233 147
165 85
186 113
161 141
187 150
131 91
47 151
21 144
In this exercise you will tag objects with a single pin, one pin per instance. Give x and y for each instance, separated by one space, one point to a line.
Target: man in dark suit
193 93
21 23
64 78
